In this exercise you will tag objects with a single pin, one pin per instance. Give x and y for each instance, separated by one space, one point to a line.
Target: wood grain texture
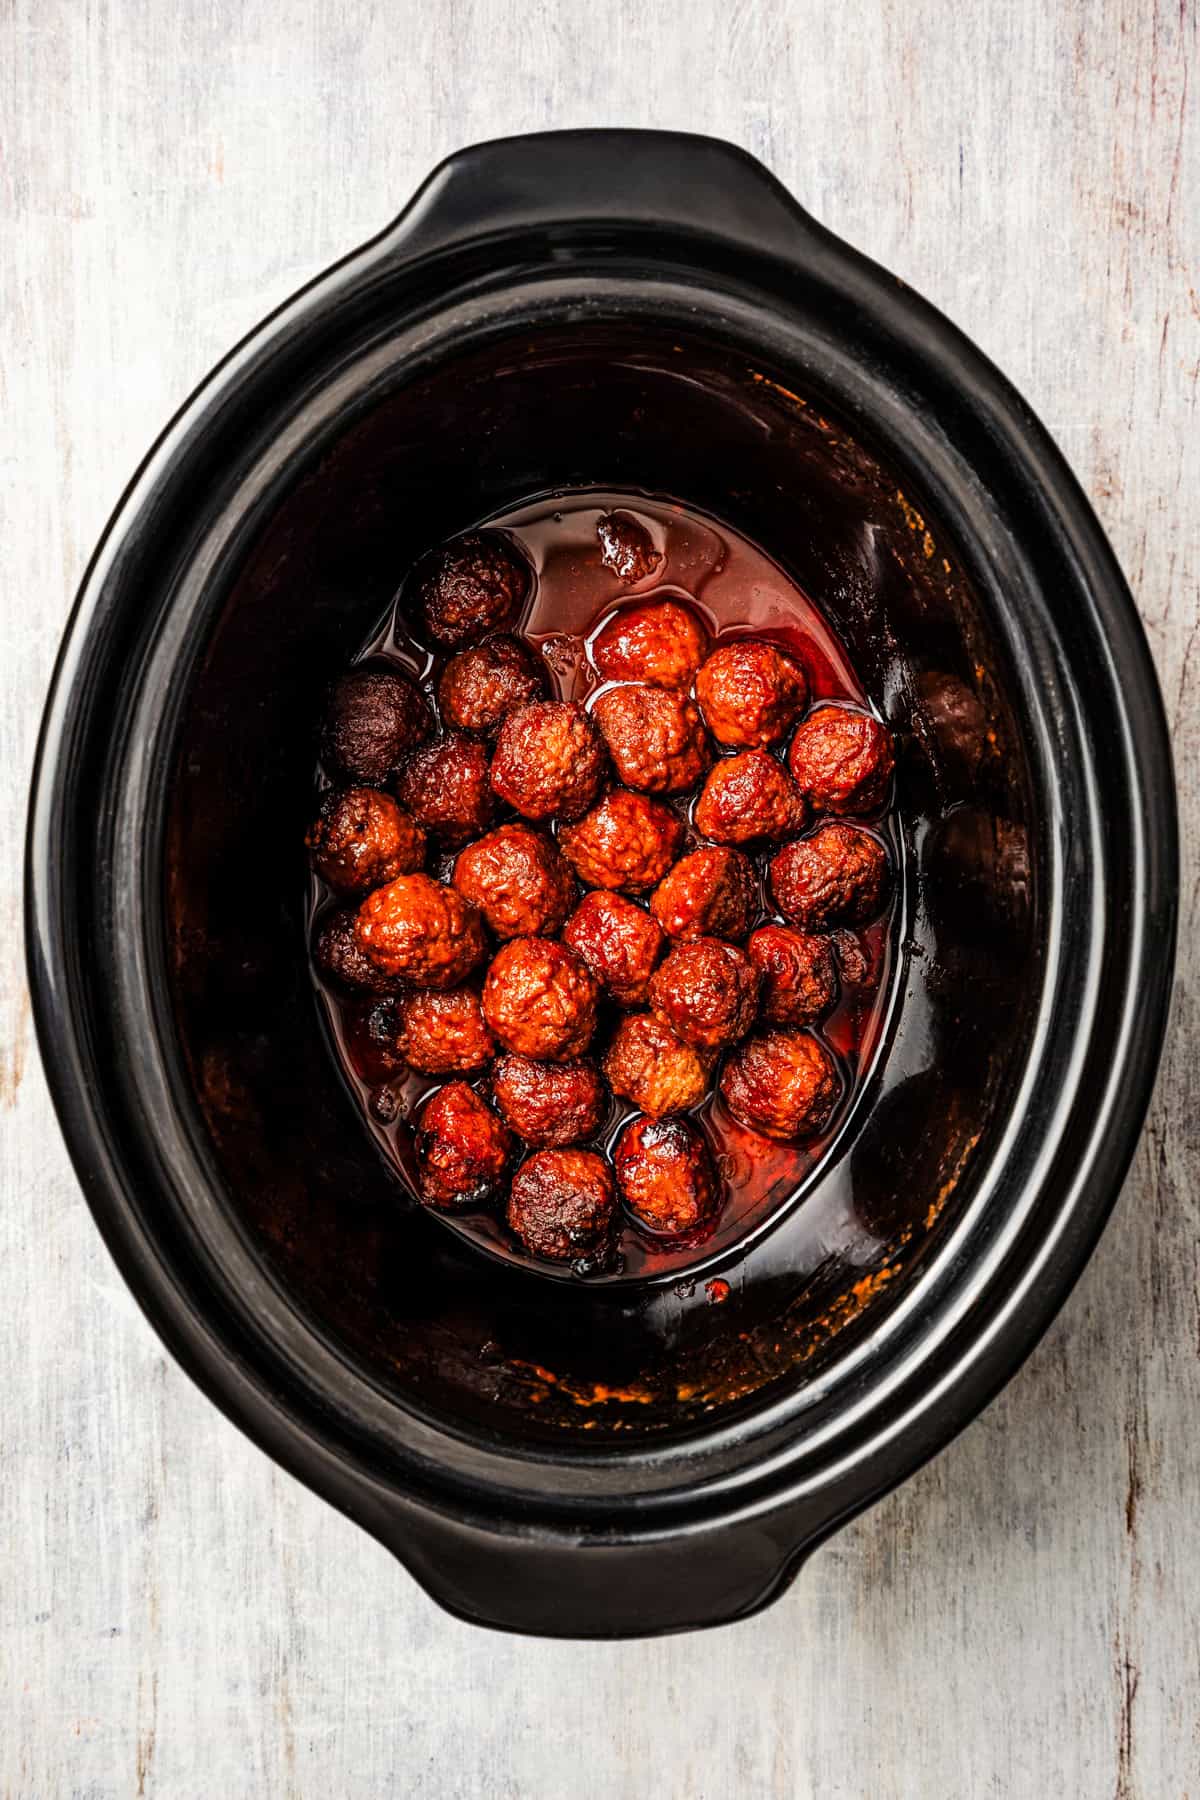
178 1618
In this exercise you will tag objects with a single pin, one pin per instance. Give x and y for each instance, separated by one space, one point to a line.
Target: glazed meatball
798 974
375 717
626 547
838 876
666 1177
363 839
626 842
707 991
649 1065
711 893
337 956
549 760
372 1029
462 1148
445 787
563 1206
747 798
842 760
663 643
549 1103
518 880
751 693
655 738
443 1033
540 999
469 587
420 931
782 1083
619 943
480 687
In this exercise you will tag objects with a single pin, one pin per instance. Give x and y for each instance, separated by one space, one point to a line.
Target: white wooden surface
177 1618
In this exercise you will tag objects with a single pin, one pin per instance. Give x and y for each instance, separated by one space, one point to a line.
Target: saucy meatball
782 1083
798 974
648 1064
655 738
375 717
563 1206
626 547
749 797
539 999
462 1148
751 693
663 643
445 787
627 841
337 955
666 1177
443 1033
619 943
842 760
549 760
518 880
549 1103
713 892
363 839
371 1030
707 991
838 876
469 587
480 687
421 931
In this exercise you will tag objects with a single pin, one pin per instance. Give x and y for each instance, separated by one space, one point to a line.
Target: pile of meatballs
546 904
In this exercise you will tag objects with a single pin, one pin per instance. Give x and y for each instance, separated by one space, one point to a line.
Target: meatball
711 893
663 643
540 999
421 931
798 973
549 760
842 760
443 1033
375 717
563 1206
549 1103
462 1148
749 797
838 876
626 547
469 587
480 687
619 943
649 1065
751 693
363 839
666 1177
518 880
627 842
655 738
337 956
707 991
372 1029
784 1084
445 787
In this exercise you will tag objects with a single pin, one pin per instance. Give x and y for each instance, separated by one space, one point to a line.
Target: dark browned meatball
518 880
799 975
666 1177
649 1065
655 738
749 798
480 687
337 955
443 1033
751 693
549 760
462 1148
469 587
711 893
627 841
707 991
619 943
421 931
563 1206
782 1083
663 643
549 1103
445 787
372 1030
842 760
375 717
540 999
363 839
626 547
838 876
